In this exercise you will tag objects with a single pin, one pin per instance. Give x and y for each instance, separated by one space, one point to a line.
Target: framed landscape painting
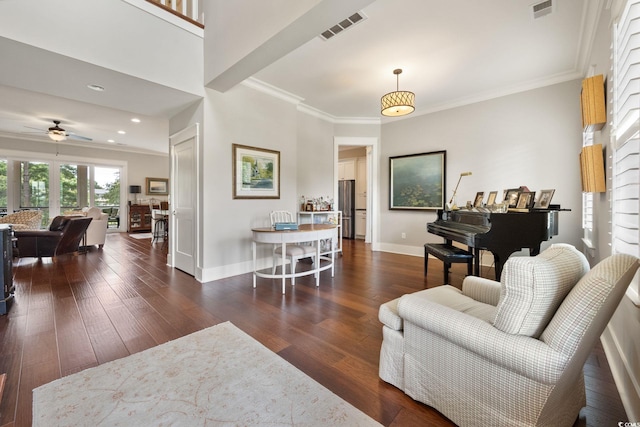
256 173
417 181
157 186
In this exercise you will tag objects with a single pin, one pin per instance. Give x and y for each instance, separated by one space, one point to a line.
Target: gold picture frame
256 173
157 186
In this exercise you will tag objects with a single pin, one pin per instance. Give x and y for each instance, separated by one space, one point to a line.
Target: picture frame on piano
417 181
544 200
525 200
477 202
511 197
492 198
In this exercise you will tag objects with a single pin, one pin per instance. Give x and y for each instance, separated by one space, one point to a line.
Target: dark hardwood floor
83 311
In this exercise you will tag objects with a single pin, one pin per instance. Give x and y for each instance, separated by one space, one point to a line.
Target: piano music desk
448 254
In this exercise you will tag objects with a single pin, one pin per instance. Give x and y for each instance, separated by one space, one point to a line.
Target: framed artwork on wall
417 181
157 186
256 173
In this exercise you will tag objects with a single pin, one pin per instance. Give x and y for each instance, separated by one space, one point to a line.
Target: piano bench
448 254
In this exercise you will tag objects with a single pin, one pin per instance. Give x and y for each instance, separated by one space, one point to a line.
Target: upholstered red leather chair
62 237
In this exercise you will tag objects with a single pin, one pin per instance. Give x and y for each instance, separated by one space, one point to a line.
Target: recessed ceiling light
97 88
111 140
135 120
121 132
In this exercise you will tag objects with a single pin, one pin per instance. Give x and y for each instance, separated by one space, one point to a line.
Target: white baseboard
627 384
222 272
486 257
401 249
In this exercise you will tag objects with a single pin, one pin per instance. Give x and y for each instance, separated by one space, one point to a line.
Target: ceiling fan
58 134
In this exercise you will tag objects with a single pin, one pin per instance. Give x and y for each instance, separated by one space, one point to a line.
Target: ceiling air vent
541 9
343 25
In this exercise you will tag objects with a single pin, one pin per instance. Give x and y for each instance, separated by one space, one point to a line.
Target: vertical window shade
626 131
587 199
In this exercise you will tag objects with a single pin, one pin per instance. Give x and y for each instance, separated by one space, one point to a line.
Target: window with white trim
625 137
587 202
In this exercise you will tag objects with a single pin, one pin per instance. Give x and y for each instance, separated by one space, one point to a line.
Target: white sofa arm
97 231
518 353
481 289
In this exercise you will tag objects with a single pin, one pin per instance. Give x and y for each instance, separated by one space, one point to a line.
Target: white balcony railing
187 9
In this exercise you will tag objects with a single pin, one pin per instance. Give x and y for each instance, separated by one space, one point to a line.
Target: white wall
531 138
247 117
315 157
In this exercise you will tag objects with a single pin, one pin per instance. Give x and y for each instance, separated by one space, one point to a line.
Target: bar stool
159 220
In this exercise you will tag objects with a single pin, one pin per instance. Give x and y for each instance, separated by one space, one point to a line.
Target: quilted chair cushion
532 288
23 220
604 285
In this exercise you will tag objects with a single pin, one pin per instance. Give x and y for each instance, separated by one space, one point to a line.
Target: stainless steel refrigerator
346 203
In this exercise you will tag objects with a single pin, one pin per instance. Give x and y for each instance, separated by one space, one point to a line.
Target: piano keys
500 233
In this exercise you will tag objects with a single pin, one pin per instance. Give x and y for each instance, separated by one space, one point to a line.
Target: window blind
626 131
626 135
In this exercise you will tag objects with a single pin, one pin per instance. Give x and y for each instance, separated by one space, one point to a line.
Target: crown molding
296 100
460 102
307 109
489 95
588 28
274 91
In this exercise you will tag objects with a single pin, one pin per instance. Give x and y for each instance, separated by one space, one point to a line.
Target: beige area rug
141 236
218 376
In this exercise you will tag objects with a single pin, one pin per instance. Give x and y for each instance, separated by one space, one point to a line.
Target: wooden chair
293 252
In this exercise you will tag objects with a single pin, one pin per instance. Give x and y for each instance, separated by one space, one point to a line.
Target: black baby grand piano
500 233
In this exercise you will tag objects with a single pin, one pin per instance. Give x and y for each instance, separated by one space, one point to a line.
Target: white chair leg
275 263
293 271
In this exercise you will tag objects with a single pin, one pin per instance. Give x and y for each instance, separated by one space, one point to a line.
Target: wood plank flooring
83 311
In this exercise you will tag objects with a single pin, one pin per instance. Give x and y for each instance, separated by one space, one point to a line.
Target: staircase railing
186 9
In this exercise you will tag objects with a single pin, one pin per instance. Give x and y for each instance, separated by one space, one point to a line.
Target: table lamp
452 203
135 190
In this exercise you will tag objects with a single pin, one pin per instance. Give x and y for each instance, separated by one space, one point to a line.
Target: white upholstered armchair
509 353
97 231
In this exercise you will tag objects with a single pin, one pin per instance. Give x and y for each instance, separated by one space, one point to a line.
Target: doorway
371 148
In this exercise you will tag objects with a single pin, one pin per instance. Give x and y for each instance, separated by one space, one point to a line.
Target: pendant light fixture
398 103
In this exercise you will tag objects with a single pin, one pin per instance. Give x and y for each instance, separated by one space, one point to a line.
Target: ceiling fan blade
78 137
41 130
